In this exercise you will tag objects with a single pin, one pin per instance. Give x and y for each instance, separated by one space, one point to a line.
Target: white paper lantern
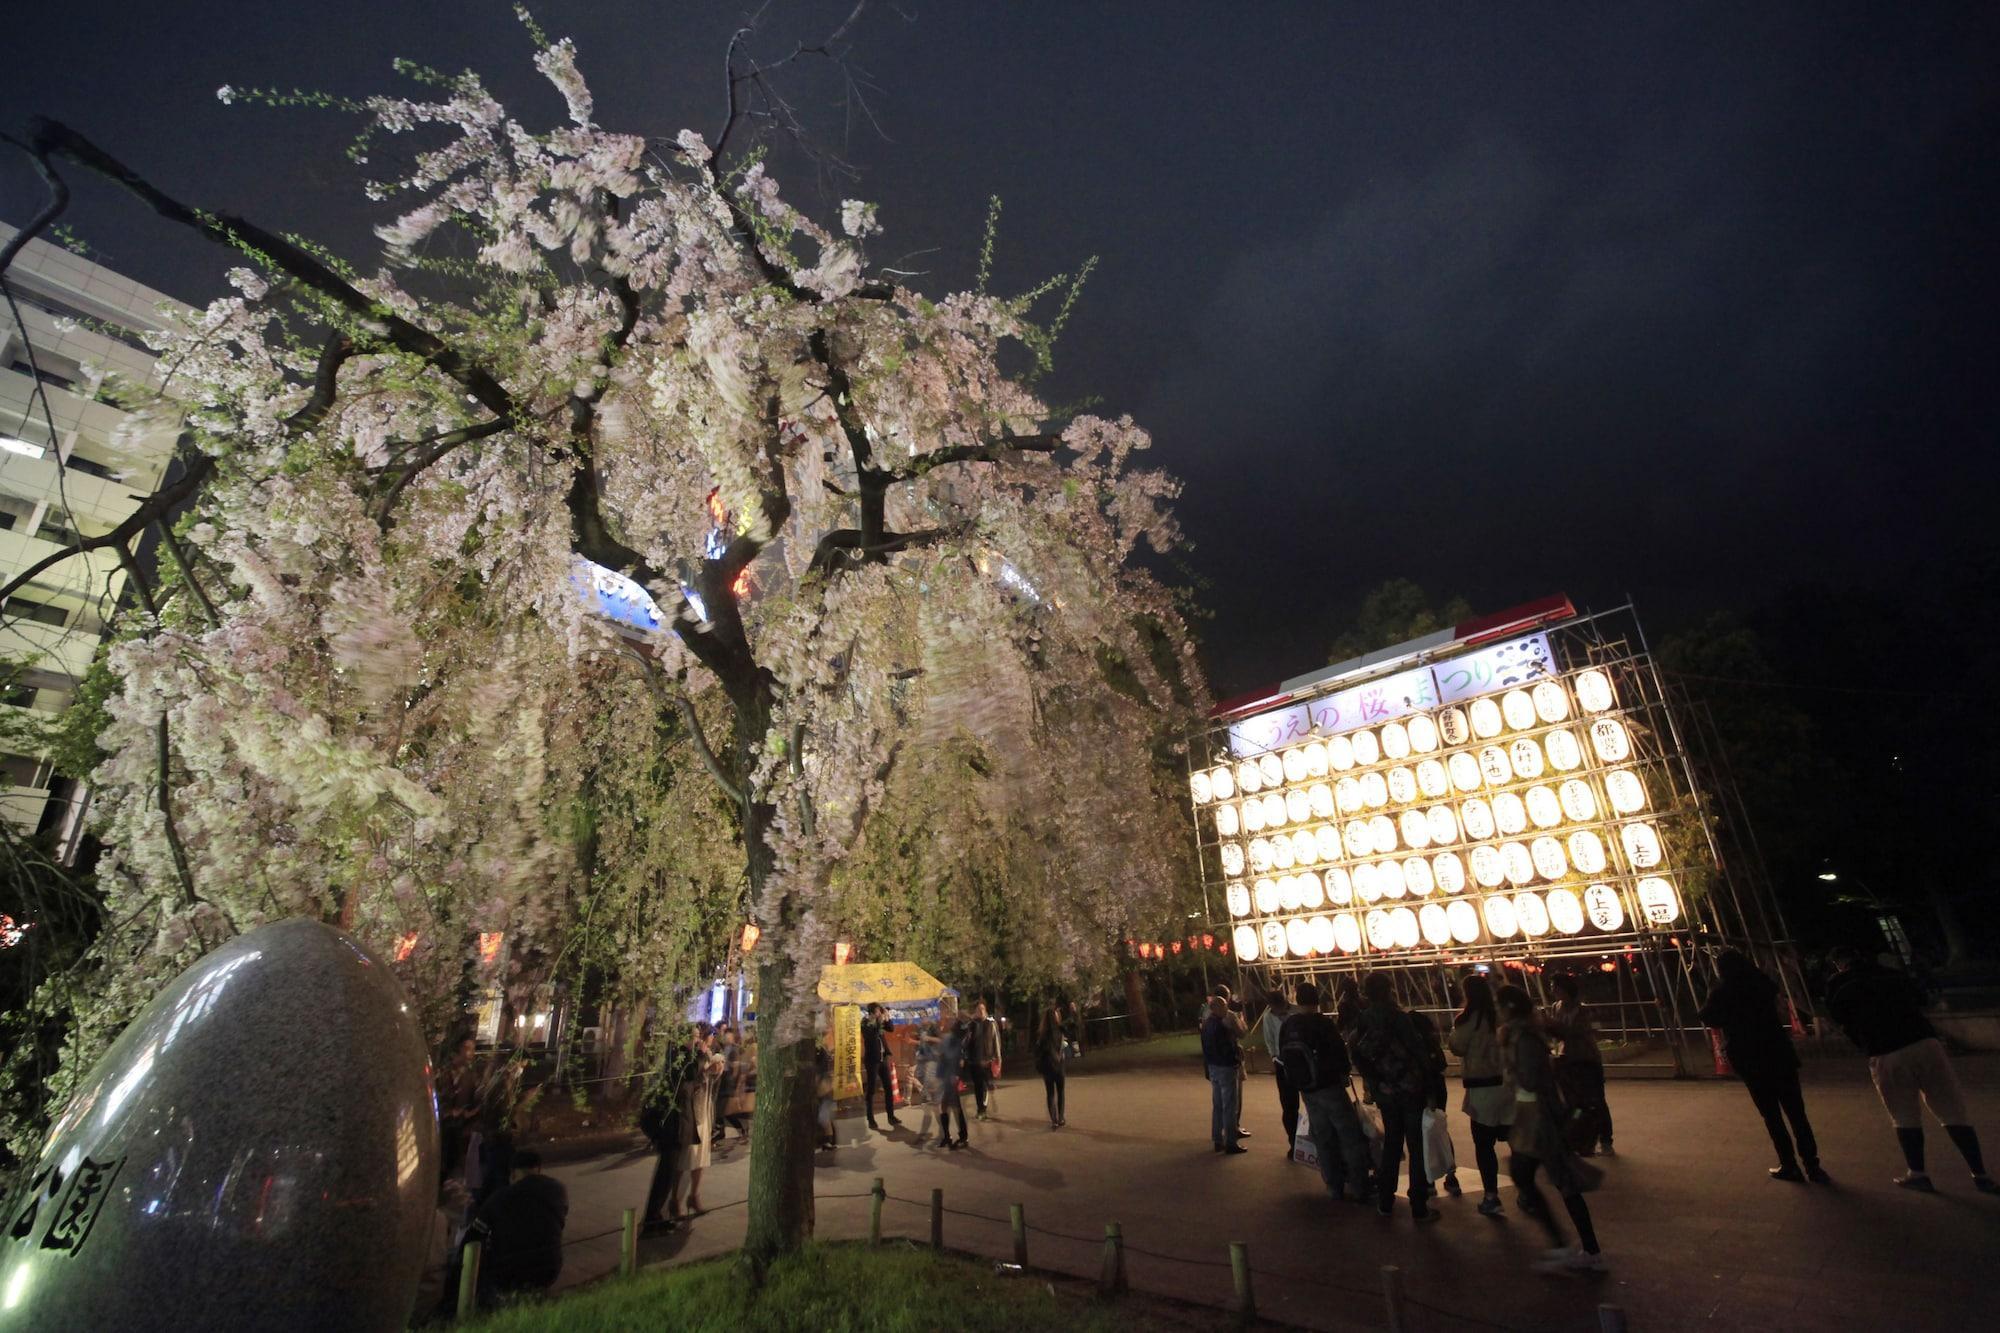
1367 748
1226 822
1432 780
1565 911
1221 783
1518 863
1435 924
1495 767
1382 833
1294 763
1531 914
1305 847
1626 791
1550 863
1275 813
1586 852
1374 791
1402 785
1298 937
1578 805
1518 708
1423 734
1389 879
1658 901
1477 817
1593 691
1396 741
1525 756
1565 755
1500 919
1444 824
1200 787
1488 869
1312 894
1339 888
1246 944
1249 778
1260 855
1321 930
1417 877
1274 940
1359 838
1487 721
1642 845
1403 928
1253 815
1415 828
1544 810
1464 919
1448 871
1365 889
1347 933
1289 896
1298 807
1328 839
1273 769
1347 795
1239 899
1232 858
1610 739
1381 935
1281 853
1551 702
1265 894
1340 754
1601 905
1510 813
1315 757
1453 726
1319 797
1464 771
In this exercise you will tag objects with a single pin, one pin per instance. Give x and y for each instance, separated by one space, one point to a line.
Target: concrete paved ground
1696 1235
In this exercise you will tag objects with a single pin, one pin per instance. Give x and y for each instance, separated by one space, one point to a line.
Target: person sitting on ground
1537 1139
1316 1064
520 1231
1881 1010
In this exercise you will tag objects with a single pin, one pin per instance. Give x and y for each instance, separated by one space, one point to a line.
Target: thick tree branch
181 562
844 546
50 211
678 698
408 470
155 506
326 384
995 452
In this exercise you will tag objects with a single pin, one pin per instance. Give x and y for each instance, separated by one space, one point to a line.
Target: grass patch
836 1288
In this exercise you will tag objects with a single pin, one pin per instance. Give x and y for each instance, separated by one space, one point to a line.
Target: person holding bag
1537 1138
1489 1097
1051 1052
1392 1056
1317 1066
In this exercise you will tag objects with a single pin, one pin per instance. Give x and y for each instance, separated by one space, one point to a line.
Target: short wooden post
1111 1279
628 1244
1019 1217
1610 1319
1392 1296
937 1219
468 1280
876 1194
1239 1267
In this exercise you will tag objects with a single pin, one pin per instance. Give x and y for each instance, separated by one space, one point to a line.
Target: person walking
1222 1058
1392 1056
1051 1054
661 1120
982 1055
1316 1065
1276 1011
1744 1008
1882 1012
698 1118
1438 1150
520 1230
1489 1097
949 1069
1580 1070
875 1029
1536 1138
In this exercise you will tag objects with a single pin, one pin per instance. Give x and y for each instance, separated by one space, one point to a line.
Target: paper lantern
1402 785
1601 905
1423 734
1380 935
1544 810
1642 845
1658 901
1201 788
1367 749
1593 691
1374 791
1305 847
1298 937
1363 877
1610 739
1525 757
1500 919
1464 771
1340 754
1444 824
1531 915
1417 877
1274 940
1281 853
1339 888
1586 852
1293 761
1274 810
1416 829
1549 860
1432 780
1518 708
1403 929
1510 813
1260 854
1249 778
1551 702
1565 755
1578 805
1488 869
1382 833
1253 815
1239 899
1246 943
1265 893
1464 921
1221 783
1312 894
1359 840
1396 741
1319 797
1487 721
1232 858
1347 795
1518 864
1625 790
1435 924
1320 930
1495 767
1347 933
1273 769
1453 726
1298 807
1314 753
1477 817
1565 911
1226 822
1389 879
1328 838
1448 871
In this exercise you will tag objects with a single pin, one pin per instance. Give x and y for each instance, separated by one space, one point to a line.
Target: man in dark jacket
982 1052
1882 1012
1222 1057
1390 1051
1316 1065
521 1232
1744 1008
875 1029
661 1121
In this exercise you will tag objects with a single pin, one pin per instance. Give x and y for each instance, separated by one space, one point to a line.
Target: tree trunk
783 1134
1140 1021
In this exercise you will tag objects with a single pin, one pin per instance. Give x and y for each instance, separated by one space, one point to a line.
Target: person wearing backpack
1316 1065
1390 1052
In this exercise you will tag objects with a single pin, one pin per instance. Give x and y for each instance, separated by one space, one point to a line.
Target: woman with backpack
1537 1137
1489 1098
1051 1050
1389 1051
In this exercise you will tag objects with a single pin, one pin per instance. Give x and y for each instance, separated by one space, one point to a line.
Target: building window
27 608
90 466
49 377
20 696
18 770
55 530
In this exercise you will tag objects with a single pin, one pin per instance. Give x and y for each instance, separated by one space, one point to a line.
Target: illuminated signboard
617 598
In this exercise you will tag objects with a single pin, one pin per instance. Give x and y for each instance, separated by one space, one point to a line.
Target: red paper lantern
1177 946
1208 941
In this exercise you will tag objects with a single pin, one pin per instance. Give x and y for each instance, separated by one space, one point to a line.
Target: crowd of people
706 1087
953 1056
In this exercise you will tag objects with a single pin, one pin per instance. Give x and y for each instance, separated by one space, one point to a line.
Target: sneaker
1789 1171
1918 1181
1583 1261
944 1143
893 1124
1607 1149
1235 1147
1425 1215
1218 1147
1556 1263
1242 1133
1452 1187
1985 1185
1490 1206
872 1125
1817 1174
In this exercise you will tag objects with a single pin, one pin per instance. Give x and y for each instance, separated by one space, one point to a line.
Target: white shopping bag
1439 1159
1303 1149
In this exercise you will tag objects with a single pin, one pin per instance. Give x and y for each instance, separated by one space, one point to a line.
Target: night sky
1686 302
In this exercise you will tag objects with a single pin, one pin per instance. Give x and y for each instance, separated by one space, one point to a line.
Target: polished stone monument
258 1150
